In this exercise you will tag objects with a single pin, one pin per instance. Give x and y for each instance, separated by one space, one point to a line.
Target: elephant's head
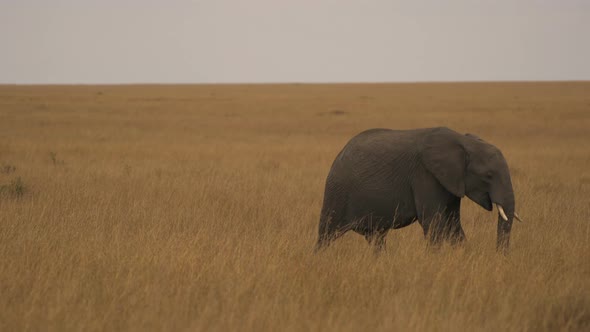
467 165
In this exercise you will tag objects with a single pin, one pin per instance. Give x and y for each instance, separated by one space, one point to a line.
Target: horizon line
297 83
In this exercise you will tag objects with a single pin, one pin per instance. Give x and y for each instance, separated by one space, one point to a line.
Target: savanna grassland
195 207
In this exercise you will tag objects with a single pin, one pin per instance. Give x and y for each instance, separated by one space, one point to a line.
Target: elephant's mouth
482 198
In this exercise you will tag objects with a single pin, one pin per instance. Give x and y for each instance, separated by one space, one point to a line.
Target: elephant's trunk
504 228
502 194
505 218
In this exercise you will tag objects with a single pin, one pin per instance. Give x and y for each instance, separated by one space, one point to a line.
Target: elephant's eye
489 174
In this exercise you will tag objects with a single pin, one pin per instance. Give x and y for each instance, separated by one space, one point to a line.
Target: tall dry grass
196 208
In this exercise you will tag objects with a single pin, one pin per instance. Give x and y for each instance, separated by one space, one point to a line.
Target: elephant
387 179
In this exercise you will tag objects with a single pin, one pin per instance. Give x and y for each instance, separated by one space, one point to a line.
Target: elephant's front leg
377 240
442 222
454 232
437 210
431 226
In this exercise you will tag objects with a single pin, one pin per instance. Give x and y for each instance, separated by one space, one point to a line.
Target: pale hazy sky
200 41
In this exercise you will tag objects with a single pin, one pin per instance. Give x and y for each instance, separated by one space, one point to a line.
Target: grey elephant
384 179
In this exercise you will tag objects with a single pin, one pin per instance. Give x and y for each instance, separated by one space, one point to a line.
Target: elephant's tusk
501 210
517 217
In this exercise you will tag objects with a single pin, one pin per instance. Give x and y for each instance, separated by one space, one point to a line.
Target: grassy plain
196 208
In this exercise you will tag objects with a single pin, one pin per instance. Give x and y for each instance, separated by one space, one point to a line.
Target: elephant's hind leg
327 233
324 240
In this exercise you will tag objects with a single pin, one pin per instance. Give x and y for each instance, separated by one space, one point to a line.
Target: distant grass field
196 208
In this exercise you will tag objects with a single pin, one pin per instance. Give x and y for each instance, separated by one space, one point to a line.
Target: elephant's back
369 158
389 136
379 146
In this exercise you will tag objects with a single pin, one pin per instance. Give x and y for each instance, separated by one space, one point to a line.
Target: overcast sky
202 41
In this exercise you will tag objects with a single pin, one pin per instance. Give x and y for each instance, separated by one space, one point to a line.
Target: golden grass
196 208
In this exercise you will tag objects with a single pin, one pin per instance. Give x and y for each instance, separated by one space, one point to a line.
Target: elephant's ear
444 157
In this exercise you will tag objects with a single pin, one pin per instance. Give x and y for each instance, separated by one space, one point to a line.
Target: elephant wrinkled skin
384 179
